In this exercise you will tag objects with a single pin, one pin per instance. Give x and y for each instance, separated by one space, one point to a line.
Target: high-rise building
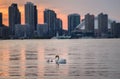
89 23
115 29
102 24
14 18
59 26
35 16
22 31
3 32
50 19
42 30
73 21
0 19
19 31
27 31
31 16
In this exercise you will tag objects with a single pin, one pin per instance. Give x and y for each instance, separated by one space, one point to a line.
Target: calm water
86 59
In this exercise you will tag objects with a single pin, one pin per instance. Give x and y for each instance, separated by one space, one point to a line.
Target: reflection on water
86 59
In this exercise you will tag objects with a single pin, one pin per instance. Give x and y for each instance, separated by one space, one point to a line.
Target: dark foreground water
86 59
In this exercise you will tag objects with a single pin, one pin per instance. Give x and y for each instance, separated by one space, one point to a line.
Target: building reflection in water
41 62
15 63
26 63
31 63
75 69
27 59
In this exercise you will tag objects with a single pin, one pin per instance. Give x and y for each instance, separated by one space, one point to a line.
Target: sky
65 7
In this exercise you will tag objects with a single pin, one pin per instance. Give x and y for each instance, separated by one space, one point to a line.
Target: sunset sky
65 7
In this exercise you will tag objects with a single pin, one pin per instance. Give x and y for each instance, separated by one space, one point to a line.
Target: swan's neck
57 58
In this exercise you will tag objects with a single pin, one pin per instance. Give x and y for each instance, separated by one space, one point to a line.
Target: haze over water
86 59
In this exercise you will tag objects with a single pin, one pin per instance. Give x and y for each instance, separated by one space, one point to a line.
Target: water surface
86 59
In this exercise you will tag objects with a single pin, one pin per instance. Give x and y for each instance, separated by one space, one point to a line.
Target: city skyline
80 7
52 25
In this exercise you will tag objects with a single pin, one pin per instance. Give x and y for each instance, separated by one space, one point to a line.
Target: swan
58 60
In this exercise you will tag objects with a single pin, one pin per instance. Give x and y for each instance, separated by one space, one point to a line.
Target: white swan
59 61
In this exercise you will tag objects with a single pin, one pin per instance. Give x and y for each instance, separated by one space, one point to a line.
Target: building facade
31 16
4 32
19 31
42 30
59 26
115 30
89 24
73 21
14 18
35 17
50 19
103 24
0 19
22 31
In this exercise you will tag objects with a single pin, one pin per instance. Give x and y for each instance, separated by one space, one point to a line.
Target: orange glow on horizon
4 11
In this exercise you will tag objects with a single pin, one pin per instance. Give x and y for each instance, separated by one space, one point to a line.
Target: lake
86 59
